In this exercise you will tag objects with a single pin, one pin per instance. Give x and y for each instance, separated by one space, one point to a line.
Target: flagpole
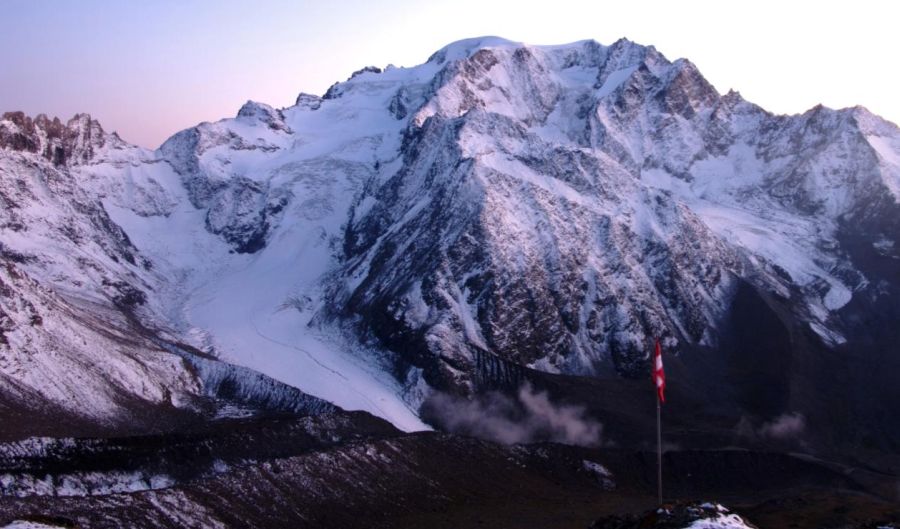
658 450
659 380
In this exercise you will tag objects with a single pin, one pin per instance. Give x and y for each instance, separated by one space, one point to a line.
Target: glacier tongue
254 309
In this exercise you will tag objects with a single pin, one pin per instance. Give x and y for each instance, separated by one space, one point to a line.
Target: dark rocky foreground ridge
501 217
362 474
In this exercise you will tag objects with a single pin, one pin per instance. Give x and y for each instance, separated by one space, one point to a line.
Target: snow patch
25 524
614 80
721 521
603 475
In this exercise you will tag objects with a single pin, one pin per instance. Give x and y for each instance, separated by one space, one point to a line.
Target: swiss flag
659 376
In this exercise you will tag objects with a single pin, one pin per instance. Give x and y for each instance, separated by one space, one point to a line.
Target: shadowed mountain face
501 213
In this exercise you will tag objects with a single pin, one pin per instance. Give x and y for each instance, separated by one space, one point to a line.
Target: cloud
528 417
785 426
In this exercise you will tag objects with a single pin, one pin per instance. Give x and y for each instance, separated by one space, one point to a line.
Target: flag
659 376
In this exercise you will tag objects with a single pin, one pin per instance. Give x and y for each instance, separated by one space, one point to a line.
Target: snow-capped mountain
499 209
559 207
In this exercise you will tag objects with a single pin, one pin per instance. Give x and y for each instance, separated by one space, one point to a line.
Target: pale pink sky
149 69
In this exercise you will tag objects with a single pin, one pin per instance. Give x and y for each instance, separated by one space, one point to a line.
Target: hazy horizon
147 71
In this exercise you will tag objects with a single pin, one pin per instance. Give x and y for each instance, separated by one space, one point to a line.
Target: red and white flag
659 376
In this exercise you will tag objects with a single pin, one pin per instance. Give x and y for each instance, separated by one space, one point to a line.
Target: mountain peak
310 101
253 110
73 143
467 47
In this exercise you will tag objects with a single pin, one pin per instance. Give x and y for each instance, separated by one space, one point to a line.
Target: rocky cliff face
72 143
502 209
